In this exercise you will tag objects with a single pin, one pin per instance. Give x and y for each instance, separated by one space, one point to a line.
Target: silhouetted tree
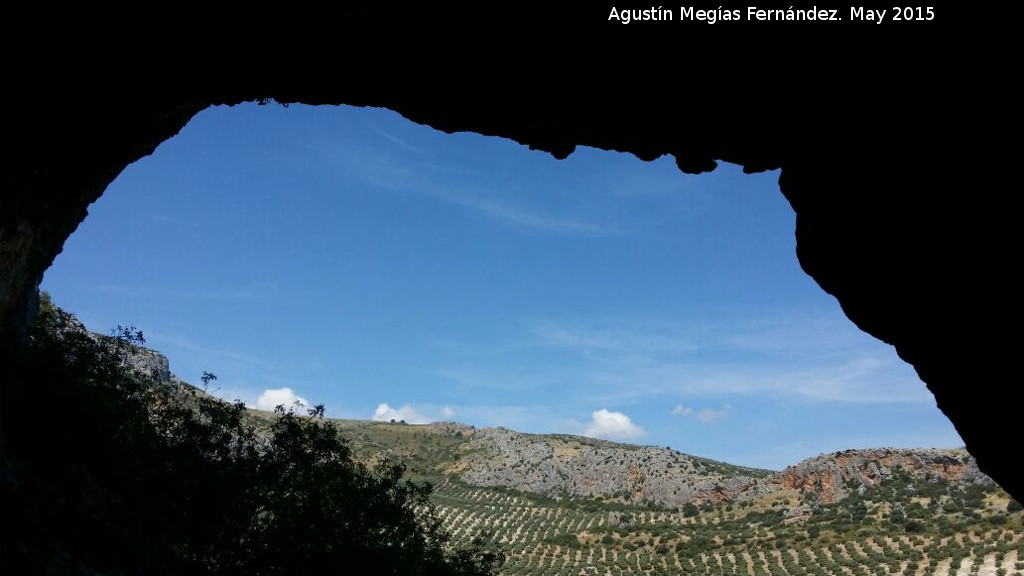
116 472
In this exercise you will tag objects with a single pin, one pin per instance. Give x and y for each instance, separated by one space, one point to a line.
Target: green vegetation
425 453
120 474
729 470
536 533
107 471
901 526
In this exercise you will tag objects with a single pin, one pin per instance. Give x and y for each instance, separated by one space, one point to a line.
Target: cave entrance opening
349 257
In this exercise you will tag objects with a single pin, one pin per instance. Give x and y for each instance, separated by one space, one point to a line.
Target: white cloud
272 398
682 410
385 413
612 426
447 412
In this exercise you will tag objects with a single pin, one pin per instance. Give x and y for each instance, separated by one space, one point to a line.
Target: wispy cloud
396 140
626 361
864 380
619 336
254 292
708 415
168 343
816 360
520 216
442 180
485 377
704 415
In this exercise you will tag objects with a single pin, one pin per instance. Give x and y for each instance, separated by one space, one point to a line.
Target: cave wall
898 214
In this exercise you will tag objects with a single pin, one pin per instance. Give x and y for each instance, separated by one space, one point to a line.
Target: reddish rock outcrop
831 476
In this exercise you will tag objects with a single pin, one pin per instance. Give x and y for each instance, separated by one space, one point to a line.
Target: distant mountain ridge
561 505
565 505
578 466
566 466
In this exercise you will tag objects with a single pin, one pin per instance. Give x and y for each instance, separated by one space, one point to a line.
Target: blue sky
351 258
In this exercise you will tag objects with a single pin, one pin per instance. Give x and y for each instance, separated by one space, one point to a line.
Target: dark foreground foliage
109 471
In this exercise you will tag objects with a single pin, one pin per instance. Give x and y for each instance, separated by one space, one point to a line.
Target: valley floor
547 538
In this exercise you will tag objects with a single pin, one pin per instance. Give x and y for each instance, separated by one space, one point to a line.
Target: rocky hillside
556 465
562 505
138 358
562 466
831 477
573 466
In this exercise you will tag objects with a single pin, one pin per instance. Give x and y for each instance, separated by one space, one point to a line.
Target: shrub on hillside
108 470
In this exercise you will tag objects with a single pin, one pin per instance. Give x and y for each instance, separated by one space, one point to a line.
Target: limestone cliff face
831 476
575 466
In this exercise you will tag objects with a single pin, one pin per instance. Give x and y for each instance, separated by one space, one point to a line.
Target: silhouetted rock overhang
882 132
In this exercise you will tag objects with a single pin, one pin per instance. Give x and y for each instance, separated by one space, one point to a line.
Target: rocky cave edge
894 217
